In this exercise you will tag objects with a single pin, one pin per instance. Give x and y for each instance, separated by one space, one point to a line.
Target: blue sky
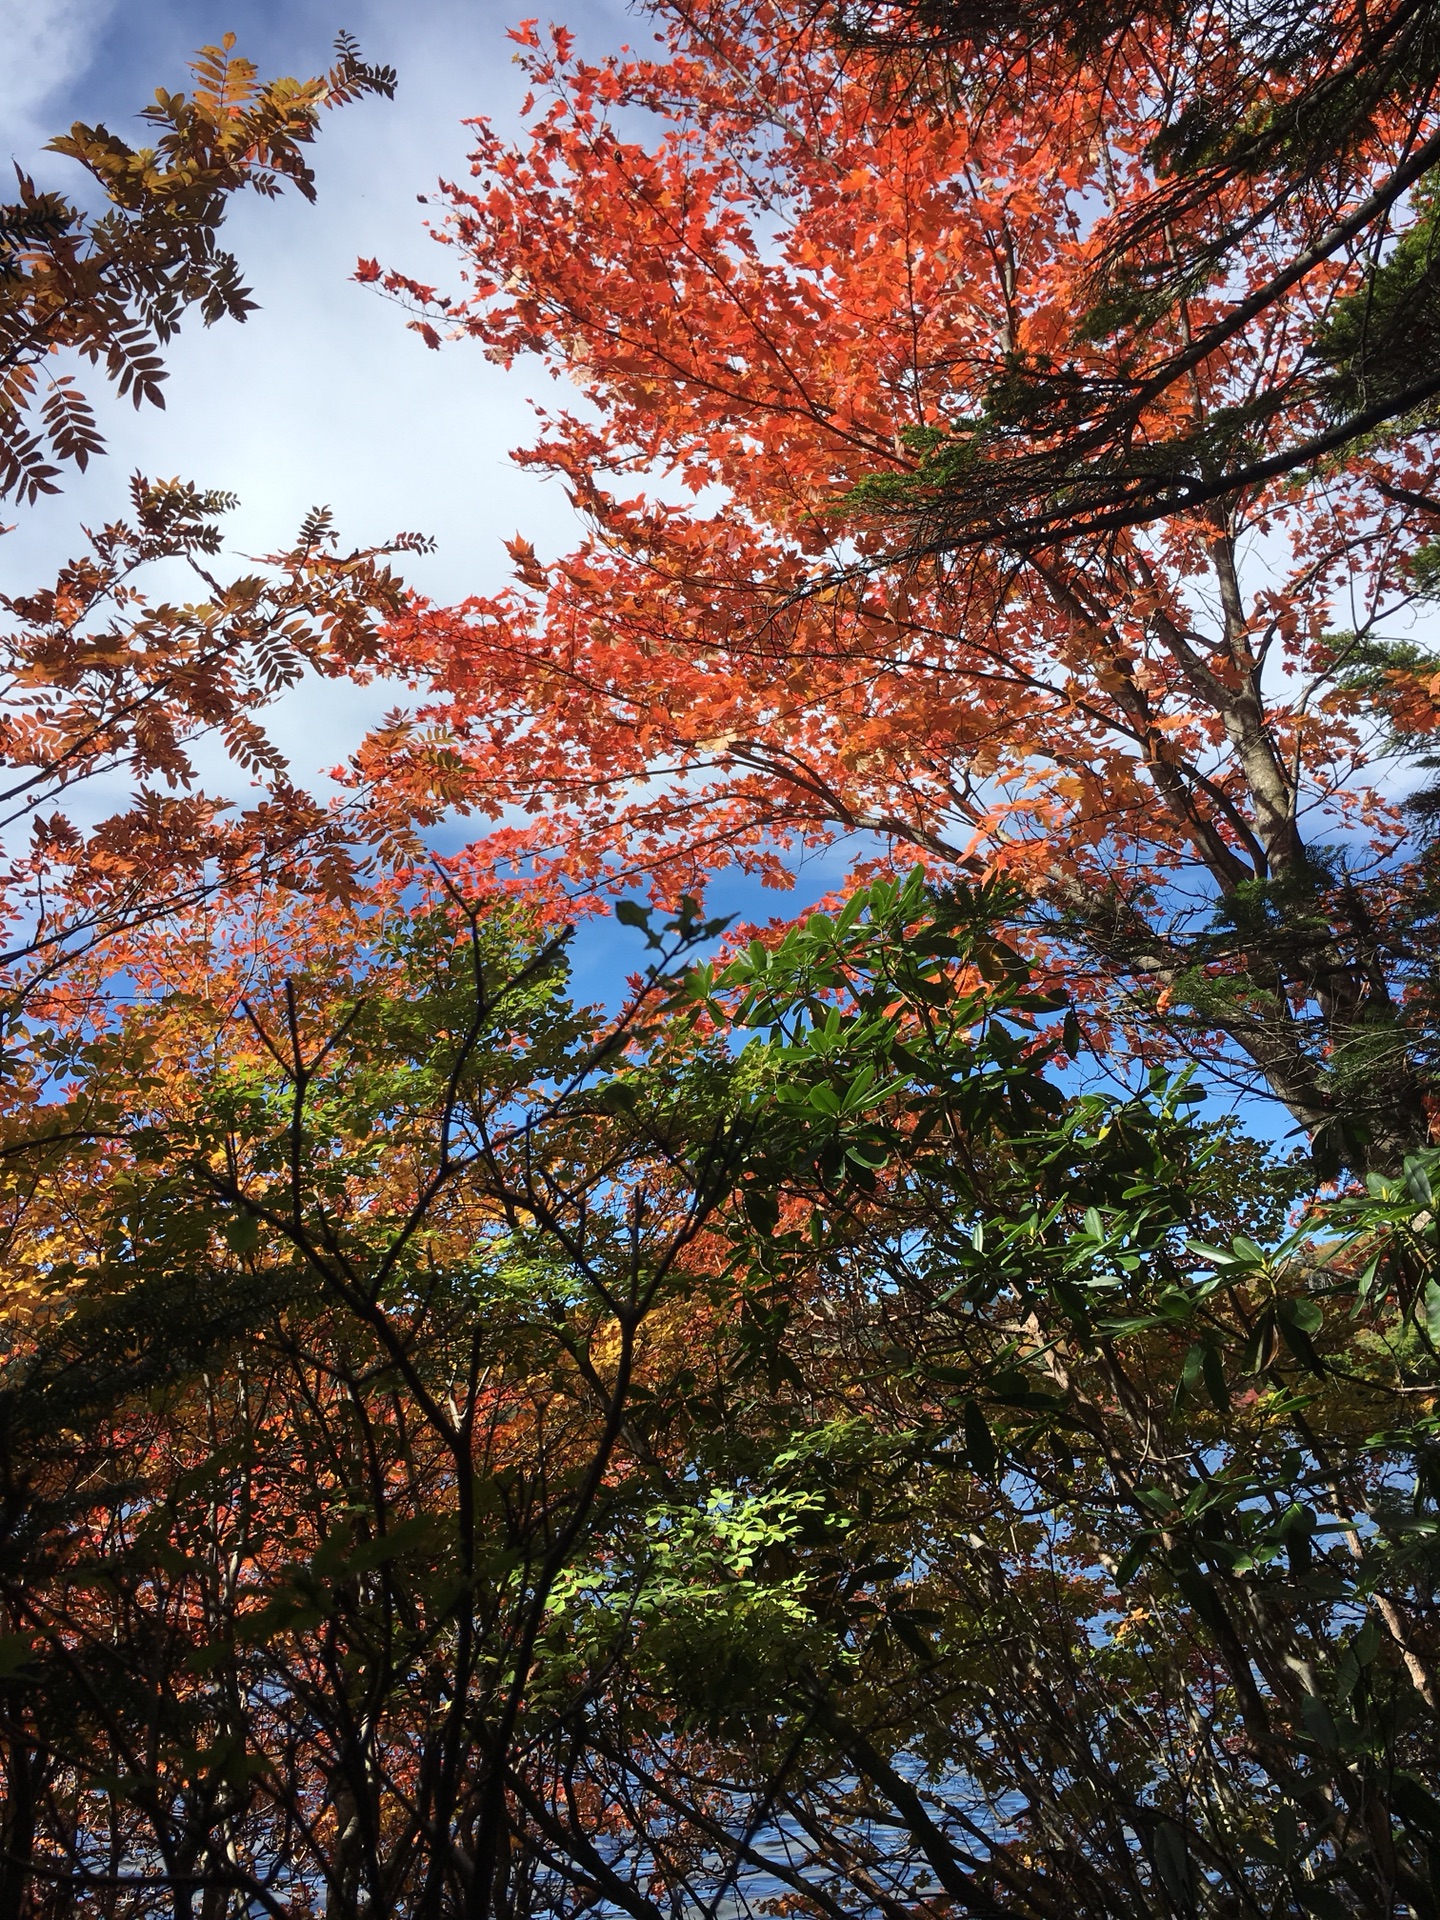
322 396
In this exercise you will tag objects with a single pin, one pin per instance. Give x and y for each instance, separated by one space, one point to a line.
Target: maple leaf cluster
811 307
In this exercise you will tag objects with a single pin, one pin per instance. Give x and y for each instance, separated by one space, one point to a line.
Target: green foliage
785 1409
1382 342
1025 1296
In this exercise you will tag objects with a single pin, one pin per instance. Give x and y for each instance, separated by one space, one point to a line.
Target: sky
323 396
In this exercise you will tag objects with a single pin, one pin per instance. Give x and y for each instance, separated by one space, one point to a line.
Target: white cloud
323 396
48 46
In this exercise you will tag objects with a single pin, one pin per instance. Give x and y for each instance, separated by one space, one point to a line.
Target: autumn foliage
116 286
476 1458
108 681
781 295
848 1429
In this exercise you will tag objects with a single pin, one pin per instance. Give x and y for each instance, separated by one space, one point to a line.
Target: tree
115 287
1016 1341
101 680
1262 128
773 1448
777 311
343 1373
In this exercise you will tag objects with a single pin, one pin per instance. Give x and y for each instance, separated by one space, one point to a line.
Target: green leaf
1347 1676
979 1441
1417 1179
242 1234
1132 1561
1215 1256
762 1210
1260 1347
852 910
1306 1314
16 1649
405 1537
1191 1368
1203 1601
1320 1723
905 1629
630 913
1172 1861
1417 1807
1297 1319
868 1154
1215 1384
209 1658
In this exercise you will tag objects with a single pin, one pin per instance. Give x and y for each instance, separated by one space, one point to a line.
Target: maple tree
114 287
775 311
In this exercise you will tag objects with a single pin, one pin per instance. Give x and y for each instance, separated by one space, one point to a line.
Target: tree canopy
849 1427
772 1445
775 311
1274 147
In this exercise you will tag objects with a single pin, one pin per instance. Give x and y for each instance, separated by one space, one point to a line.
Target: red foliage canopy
773 286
